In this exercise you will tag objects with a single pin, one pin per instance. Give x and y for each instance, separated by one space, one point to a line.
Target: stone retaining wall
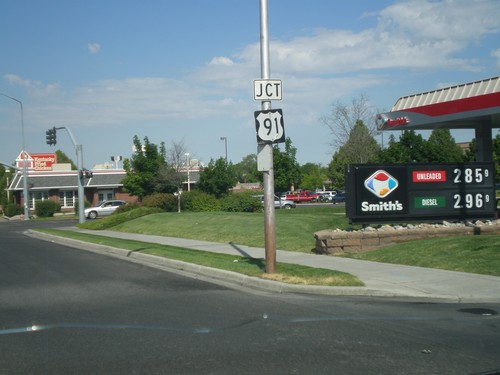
338 242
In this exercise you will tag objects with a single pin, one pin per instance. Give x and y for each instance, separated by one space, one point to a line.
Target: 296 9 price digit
470 175
470 200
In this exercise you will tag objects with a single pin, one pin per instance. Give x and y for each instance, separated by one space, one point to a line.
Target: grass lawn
475 254
294 228
288 273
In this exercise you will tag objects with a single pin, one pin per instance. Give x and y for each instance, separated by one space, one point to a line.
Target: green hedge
46 208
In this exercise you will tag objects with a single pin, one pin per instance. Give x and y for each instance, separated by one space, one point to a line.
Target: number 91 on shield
269 126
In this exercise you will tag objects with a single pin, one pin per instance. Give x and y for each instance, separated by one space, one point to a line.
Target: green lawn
475 254
295 232
294 228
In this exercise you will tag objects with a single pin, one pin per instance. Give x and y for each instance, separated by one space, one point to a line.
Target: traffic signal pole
52 140
269 212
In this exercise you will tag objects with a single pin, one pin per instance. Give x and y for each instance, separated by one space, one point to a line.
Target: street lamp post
187 166
225 144
25 177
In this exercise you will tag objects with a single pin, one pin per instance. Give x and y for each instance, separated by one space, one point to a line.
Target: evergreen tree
442 148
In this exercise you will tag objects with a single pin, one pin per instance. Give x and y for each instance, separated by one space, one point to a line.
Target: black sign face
377 193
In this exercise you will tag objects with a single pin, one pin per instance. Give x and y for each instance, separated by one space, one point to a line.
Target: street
67 311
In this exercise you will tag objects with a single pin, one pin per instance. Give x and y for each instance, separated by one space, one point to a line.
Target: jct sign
377 193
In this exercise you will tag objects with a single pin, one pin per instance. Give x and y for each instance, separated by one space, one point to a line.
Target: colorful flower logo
381 184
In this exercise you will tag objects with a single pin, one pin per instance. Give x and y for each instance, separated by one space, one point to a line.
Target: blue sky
183 71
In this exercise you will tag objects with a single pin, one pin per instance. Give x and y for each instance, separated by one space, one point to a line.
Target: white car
279 203
106 208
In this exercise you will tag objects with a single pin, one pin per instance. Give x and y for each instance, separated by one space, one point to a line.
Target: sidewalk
380 279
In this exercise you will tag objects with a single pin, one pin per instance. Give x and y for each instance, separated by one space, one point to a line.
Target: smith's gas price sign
377 193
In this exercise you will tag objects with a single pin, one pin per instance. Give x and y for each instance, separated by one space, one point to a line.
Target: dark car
338 198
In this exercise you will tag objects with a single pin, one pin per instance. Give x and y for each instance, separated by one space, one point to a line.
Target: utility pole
25 174
267 149
52 140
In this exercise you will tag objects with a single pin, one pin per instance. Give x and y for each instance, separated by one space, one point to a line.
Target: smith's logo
381 184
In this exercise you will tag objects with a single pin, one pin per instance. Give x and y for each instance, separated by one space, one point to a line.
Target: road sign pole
269 214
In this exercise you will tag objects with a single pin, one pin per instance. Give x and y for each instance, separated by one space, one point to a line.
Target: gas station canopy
474 105
461 106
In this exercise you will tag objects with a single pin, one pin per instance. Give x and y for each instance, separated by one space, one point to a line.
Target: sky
183 71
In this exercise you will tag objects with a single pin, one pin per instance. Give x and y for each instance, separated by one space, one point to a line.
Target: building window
37 196
67 199
105 195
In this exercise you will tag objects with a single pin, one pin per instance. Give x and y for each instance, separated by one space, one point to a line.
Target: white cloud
94 48
221 60
33 87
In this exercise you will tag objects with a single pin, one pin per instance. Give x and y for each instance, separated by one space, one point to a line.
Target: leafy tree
142 169
442 148
217 178
360 148
336 168
344 118
313 176
246 169
286 169
63 158
409 148
4 177
496 156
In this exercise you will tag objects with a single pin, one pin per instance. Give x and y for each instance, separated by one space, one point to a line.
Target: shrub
12 209
197 201
127 207
46 208
241 202
165 201
118 218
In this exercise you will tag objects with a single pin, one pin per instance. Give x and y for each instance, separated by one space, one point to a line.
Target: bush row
197 201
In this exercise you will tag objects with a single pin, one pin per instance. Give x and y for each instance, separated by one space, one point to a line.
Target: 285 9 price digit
470 175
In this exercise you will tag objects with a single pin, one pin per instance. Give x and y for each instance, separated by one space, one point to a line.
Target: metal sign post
267 150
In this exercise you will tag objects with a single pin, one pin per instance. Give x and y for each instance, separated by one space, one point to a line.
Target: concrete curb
231 279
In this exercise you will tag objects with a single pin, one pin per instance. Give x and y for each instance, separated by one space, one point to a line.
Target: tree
246 169
142 169
313 176
360 148
336 168
217 178
63 158
496 156
344 118
442 148
286 169
4 178
409 148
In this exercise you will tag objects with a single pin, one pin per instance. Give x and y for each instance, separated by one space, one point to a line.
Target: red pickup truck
303 196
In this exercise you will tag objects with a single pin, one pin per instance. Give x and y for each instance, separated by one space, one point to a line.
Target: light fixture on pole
25 177
225 144
187 166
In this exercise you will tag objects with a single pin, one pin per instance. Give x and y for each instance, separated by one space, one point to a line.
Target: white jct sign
267 89
270 126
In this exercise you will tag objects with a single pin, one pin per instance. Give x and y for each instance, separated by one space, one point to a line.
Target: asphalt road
67 311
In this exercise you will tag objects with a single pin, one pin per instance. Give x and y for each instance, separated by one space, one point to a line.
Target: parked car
326 196
338 198
106 208
279 203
